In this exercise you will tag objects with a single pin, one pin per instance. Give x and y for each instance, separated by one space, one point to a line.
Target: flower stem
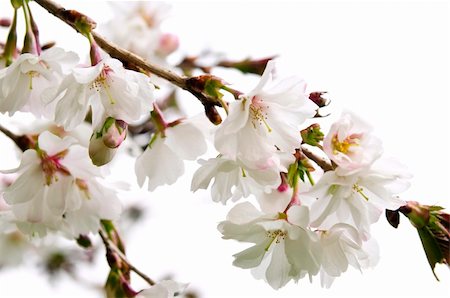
109 244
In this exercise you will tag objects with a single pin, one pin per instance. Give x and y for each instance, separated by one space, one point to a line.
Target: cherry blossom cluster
307 199
300 228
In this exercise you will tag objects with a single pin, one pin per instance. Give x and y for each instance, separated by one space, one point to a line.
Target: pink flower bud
168 43
115 134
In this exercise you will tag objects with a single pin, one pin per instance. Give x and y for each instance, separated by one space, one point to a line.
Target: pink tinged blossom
266 117
24 83
162 161
284 247
111 91
351 145
234 179
58 189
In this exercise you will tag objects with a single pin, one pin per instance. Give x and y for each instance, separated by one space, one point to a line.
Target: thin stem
67 16
110 245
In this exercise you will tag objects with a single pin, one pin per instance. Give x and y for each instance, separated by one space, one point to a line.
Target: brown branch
320 161
67 16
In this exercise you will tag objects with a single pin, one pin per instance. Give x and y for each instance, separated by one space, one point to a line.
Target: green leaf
312 135
431 247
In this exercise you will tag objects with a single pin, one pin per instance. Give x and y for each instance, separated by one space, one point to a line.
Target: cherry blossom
23 83
351 145
107 87
342 246
265 119
284 248
162 160
358 199
234 179
59 189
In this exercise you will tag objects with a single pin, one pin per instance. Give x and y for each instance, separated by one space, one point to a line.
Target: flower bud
213 115
115 134
168 43
98 152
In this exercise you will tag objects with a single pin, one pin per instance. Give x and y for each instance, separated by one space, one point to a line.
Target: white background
386 61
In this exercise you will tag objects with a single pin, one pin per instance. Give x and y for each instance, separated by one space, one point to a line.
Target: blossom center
275 236
102 82
258 113
51 165
360 190
346 144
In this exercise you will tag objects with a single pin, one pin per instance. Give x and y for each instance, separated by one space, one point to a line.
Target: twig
110 245
117 52
320 161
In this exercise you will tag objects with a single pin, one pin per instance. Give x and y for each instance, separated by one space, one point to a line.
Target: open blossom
59 189
358 199
265 118
284 247
111 91
351 145
136 26
23 82
342 246
162 160
163 289
234 179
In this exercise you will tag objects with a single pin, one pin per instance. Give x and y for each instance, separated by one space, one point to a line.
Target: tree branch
67 16
320 161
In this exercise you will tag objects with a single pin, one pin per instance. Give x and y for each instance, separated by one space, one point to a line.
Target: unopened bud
213 115
317 98
168 43
115 134
16 3
98 152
